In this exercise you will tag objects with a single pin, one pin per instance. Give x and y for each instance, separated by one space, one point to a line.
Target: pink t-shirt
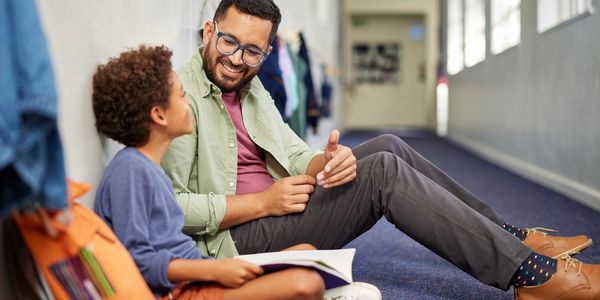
252 174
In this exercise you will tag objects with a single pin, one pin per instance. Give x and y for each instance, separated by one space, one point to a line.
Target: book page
340 260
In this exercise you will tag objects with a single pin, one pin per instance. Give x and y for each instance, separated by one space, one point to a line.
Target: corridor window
474 32
554 12
506 24
455 37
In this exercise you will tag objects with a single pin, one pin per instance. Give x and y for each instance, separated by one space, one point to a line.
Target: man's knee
390 143
393 140
382 160
385 166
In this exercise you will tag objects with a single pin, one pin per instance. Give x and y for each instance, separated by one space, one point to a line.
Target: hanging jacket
31 159
313 111
297 119
271 78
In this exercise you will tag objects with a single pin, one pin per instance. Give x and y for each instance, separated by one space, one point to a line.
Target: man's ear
209 29
269 49
158 116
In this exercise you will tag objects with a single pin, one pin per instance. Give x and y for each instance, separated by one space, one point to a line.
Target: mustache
242 67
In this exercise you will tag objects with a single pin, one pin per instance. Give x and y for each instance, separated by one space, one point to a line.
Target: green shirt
203 164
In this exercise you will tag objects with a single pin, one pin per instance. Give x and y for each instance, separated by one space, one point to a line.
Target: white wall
534 108
82 34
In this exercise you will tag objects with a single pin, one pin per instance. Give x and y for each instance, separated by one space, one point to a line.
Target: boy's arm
128 201
228 272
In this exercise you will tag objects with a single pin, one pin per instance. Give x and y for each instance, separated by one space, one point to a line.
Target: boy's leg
294 283
300 247
388 186
394 144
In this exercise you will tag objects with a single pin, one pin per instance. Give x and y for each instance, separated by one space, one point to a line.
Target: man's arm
208 213
316 165
285 196
203 213
242 209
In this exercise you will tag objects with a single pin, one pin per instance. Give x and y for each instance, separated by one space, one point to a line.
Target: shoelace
571 262
544 231
541 230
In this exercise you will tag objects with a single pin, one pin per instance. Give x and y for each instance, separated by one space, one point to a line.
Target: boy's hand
233 272
288 195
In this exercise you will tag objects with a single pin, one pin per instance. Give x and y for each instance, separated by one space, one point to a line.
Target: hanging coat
31 159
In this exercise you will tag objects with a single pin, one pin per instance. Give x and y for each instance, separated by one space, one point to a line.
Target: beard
226 85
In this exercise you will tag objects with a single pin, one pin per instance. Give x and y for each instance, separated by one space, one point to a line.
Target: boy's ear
158 116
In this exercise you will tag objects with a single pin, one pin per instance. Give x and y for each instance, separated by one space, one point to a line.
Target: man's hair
263 9
126 88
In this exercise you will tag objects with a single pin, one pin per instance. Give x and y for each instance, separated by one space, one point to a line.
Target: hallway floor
403 269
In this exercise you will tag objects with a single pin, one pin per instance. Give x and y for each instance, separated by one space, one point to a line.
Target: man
224 172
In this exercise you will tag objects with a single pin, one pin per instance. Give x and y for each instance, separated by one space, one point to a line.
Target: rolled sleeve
300 163
203 212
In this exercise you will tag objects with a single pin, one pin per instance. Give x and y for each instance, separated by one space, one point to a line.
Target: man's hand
288 195
233 272
340 163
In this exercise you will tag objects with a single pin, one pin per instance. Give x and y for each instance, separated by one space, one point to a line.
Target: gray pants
395 181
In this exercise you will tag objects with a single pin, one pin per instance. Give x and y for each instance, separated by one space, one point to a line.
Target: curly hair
126 88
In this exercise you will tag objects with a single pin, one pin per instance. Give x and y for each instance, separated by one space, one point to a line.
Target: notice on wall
377 63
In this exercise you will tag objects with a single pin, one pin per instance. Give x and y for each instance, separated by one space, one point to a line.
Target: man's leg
394 144
553 246
388 186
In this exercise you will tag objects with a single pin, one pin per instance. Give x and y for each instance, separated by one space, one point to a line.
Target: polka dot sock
535 270
516 231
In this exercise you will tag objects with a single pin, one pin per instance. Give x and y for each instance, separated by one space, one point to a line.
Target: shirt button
231 145
231 184
221 106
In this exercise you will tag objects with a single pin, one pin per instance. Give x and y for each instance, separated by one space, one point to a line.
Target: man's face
230 73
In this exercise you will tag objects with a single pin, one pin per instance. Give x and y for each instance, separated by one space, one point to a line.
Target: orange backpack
84 259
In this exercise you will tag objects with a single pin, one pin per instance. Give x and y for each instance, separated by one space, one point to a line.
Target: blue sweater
136 199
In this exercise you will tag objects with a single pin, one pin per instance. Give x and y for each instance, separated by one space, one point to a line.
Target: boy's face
178 112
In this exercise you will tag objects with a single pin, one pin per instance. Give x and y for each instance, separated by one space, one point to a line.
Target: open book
335 266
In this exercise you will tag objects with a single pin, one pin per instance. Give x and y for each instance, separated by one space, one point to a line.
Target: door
385 82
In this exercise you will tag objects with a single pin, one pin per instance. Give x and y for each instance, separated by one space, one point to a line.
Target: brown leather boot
555 246
573 280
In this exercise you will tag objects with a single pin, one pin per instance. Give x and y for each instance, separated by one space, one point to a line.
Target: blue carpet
403 269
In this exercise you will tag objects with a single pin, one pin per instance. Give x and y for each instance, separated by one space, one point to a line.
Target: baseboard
581 193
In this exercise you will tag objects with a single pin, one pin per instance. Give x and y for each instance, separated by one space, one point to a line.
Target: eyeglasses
228 45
